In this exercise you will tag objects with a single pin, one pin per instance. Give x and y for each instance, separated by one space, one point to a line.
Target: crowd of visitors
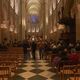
61 48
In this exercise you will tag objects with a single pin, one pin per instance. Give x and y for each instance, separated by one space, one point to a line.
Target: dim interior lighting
16 6
54 4
11 28
34 18
33 38
50 10
33 12
23 22
33 6
4 25
37 30
33 30
55 29
58 1
32 1
29 30
12 3
60 27
41 26
45 36
15 31
51 31
46 19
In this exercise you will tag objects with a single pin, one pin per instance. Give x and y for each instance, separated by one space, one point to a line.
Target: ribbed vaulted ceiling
33 7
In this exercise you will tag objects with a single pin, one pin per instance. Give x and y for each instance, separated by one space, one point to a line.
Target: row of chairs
10 60
67 70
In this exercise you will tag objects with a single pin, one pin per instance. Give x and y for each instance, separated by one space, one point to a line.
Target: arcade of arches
45 27
45 18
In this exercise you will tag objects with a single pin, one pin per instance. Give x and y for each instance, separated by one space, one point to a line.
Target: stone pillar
20 21
78 22
0 17
23 19
0 35
44 17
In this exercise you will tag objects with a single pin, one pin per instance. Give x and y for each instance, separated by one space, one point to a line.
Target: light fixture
58 1
51 31
16 6
15 31
4 25
60 27
23 22
37 30
47 20
54 4
11 28
29 30
45 36
33 30
12 3
33 38
55 29
51 10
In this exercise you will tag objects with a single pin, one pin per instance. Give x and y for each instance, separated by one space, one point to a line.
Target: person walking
33 48
25 48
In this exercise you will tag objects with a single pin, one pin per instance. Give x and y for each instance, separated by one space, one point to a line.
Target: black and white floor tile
35 70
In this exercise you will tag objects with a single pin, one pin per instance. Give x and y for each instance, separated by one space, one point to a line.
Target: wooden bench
5 73
9 60
71 70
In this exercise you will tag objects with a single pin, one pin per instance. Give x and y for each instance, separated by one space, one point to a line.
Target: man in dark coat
33 47
25 48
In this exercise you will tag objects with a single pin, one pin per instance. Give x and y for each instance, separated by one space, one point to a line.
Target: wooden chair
5 73
69 69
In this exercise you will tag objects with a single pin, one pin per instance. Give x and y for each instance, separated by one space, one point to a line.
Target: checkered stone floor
35 70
